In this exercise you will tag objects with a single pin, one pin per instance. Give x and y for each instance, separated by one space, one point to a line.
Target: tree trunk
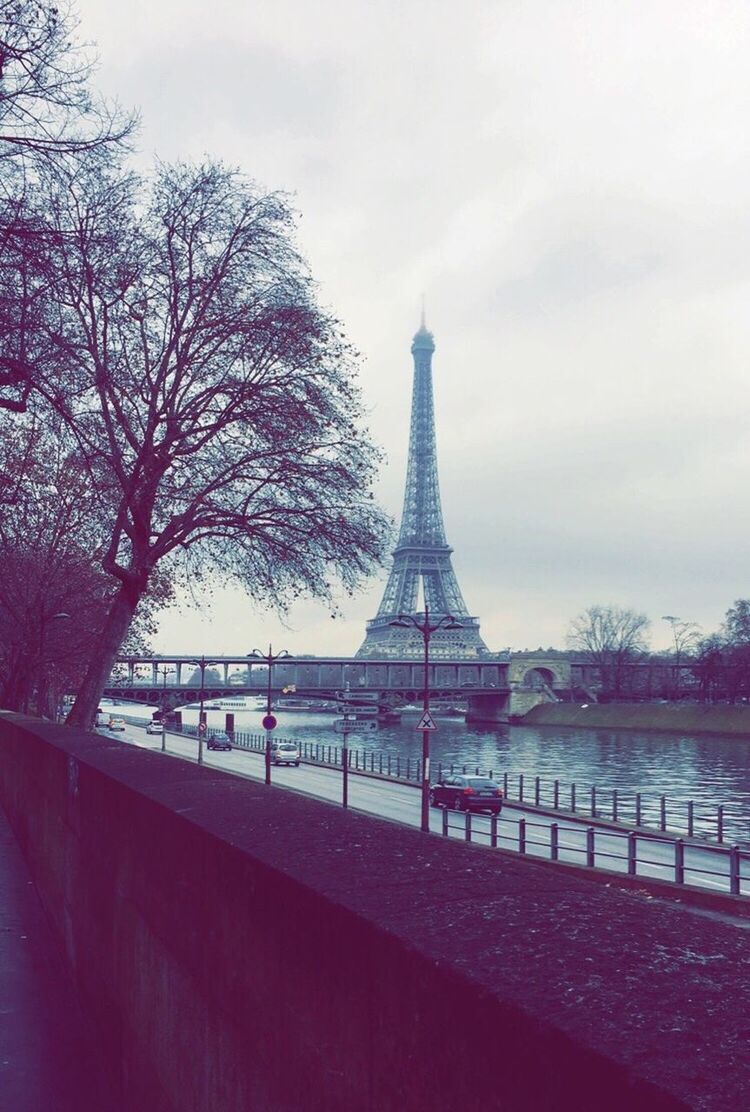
115 628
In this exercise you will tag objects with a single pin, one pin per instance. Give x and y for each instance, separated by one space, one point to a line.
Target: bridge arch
537 678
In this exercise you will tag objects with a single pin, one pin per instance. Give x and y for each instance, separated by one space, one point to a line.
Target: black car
467 793
219 740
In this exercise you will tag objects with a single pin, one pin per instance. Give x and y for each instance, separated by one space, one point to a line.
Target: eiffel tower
422 555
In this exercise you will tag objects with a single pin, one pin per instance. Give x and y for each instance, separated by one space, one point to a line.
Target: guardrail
588 846
657 812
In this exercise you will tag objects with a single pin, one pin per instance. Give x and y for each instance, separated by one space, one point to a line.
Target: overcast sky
568 184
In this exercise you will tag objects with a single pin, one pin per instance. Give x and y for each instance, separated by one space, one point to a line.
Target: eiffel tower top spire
422 557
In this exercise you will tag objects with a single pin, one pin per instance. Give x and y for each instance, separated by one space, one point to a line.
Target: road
705 866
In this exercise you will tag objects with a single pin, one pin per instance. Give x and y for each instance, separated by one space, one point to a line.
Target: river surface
709 770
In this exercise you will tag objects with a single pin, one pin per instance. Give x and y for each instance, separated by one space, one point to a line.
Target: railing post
632 853
734 870
554 851
520 788
389 764
679 861
614 805
637 808
690 819
445 822
493 830
663 812
467 826
505 785
440 770
573 797
593 802
720 824
590 846
536 791
522 835
556 797
408 768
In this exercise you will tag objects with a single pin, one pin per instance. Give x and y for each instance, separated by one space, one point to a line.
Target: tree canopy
212 400
611 637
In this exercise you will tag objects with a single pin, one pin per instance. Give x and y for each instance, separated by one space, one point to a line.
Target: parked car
286 753
218 739
116 724
153 727
467 793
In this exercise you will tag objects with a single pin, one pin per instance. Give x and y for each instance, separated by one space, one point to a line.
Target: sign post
269 725
357 715
345 767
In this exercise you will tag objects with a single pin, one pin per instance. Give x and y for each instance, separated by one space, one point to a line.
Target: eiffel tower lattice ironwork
422 556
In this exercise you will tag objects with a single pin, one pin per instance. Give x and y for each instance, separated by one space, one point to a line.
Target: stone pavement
47 1057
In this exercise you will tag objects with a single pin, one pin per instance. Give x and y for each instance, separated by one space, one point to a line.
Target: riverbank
664 717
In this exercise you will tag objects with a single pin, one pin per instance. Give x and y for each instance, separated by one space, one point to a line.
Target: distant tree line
175 405
614 643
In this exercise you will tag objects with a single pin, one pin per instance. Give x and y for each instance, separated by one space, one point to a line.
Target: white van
285 753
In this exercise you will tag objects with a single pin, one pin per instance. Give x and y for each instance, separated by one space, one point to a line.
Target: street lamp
164 672
426 628
202 664
269 722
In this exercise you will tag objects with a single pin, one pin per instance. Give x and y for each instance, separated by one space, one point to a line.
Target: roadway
704 866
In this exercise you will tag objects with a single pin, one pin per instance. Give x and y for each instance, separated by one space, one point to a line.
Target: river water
709 770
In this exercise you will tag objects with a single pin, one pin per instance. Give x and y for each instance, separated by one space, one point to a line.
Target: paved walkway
47 1059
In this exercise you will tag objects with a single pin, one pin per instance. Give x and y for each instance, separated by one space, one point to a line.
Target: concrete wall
690 719
244 948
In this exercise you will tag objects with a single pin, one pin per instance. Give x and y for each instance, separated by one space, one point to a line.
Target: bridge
495 687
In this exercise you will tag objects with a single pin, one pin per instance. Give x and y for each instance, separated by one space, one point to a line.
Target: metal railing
682 864
657 812
602 847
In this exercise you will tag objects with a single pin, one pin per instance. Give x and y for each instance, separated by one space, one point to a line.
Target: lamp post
269 722
426 628
164 672
202 664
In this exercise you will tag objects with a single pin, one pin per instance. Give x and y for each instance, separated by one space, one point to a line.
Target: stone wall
248 949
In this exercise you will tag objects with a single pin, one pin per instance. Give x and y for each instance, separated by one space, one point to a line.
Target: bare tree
213 400
47 106
53 597
610 637
685 638
49 118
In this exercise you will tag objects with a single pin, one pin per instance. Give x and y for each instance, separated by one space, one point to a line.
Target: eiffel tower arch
422 557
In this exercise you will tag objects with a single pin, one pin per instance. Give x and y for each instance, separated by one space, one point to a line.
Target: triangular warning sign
426 722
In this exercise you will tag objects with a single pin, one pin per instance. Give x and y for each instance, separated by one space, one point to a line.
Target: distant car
153 727
116 724
467 793
218 739
286 753
468 683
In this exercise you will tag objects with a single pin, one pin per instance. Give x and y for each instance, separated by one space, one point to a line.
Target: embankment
664 717
243 947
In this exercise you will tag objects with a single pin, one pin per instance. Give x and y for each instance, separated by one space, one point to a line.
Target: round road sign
269 722
202 728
